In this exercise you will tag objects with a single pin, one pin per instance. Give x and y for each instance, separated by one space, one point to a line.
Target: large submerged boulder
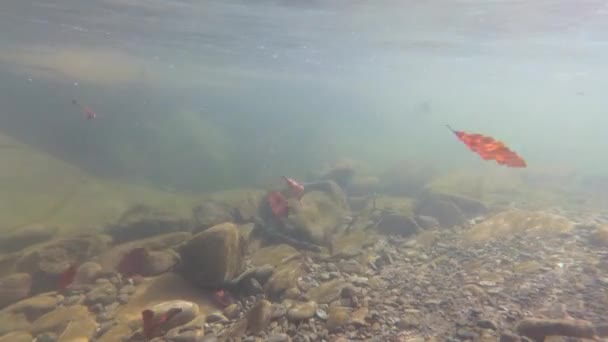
45 262
14 287
213 257
449 209
514 222
147 257
599 237
142 221
319 214
25 237
396 224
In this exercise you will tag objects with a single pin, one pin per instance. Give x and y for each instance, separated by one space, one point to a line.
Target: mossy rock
514 222
396 204
213 257
319 215
142 221
273 255
42 190
496 187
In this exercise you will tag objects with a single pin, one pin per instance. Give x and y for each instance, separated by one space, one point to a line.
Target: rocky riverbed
435 267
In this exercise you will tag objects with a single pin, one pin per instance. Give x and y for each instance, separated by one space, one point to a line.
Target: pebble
232 311
495 290
123 298
185 336
73 300
278 311
321 314
46 337
302 311
103 328
408 322
348 291
105 293
487 283
127 289
405 297
278 338
359 281
209 338
487 324
466 334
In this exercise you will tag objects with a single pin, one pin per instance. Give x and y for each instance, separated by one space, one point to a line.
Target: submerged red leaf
296 189
67 277
278 204
223 297
152 322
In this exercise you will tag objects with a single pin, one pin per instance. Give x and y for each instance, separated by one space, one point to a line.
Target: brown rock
159 262
88 272
45 262
359 315
19 316
232 311
17 336
141 221
66 319
161 289
516 222
302 311
337 317
79 329
110 259
599 237
25 237
468 206
273 255
395 224
319 215
14 287
447 213
326 292
259 316
538 329
188 312
237 330
214 256
283 279
116 333
104 294
427 222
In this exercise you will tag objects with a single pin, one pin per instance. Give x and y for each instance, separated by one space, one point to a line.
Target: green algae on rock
319 214
517 223
14 287
142 221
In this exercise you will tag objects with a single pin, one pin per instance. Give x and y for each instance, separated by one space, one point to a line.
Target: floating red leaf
490 149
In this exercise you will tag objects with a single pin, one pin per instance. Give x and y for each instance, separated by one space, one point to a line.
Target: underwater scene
276 170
